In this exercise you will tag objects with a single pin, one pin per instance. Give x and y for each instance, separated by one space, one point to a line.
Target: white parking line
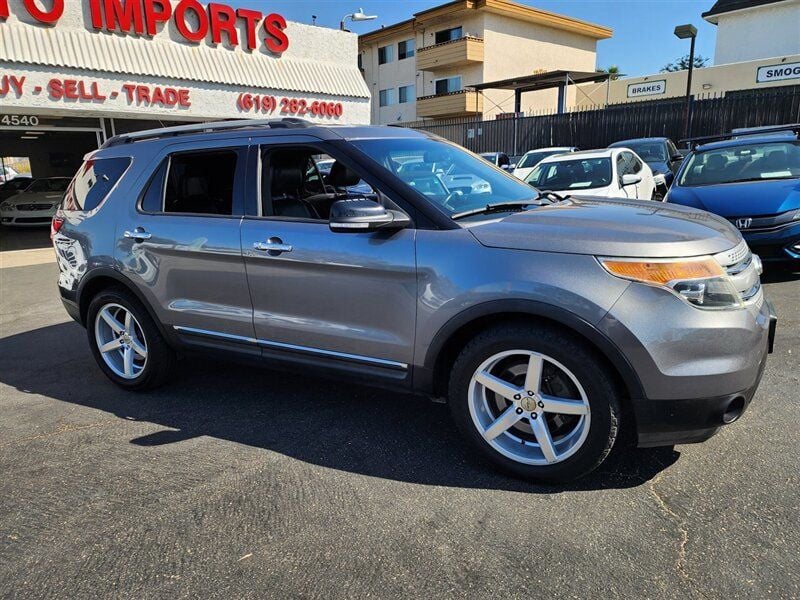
26 258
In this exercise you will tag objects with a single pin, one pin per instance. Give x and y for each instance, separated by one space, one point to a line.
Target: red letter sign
276 41
125 14
45 16
183 27
223 18
3 9
251 20
153 16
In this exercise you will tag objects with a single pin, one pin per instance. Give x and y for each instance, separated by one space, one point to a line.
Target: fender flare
110 273
532 308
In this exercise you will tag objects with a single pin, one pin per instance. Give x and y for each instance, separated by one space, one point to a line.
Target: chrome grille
743 269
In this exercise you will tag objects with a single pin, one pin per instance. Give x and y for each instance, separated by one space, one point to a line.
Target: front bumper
699 369
776 246
28 218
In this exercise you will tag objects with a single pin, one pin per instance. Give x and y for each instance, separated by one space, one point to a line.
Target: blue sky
643 41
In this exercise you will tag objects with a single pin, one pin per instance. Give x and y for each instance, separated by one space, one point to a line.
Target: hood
756 198
625 228
36 198
658 166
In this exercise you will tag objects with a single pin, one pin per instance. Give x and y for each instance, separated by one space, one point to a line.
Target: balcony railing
454 104
463 51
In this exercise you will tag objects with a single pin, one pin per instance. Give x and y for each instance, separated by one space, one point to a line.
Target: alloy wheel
121 341
529 407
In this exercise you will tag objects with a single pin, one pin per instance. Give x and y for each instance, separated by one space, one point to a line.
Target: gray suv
551 325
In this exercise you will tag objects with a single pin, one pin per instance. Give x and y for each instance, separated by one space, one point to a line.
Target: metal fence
598 127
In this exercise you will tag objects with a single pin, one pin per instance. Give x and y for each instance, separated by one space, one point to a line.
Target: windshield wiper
496 207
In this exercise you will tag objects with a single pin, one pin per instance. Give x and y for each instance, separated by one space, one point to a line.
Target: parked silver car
549 325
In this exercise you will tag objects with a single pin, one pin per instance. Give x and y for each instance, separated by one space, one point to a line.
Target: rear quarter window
95 179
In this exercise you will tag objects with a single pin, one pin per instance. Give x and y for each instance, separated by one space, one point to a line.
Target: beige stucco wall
758 32
709 80
515 48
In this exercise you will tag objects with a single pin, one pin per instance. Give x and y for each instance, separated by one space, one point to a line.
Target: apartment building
424 67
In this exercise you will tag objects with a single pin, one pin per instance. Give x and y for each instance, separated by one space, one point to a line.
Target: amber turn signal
662 272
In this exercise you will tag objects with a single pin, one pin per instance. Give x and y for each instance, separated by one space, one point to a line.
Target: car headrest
342 177
286 178
716 162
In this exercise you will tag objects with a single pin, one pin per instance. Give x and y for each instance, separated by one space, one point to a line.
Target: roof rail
694 142
209 127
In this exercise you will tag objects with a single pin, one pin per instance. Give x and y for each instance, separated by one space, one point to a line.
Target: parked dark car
661 155
754 182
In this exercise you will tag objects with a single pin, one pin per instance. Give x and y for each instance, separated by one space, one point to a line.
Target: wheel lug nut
541 404
519 411
530 393
534 416
518 397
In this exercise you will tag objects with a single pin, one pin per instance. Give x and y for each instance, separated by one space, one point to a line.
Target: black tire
589 368
161 358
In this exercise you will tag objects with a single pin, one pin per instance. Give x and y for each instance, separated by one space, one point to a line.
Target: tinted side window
93 182
201 183
153 199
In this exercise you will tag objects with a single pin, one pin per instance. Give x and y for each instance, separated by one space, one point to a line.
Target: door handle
137 234
274 246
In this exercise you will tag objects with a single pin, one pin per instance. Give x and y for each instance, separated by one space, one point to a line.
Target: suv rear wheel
535 401
126 343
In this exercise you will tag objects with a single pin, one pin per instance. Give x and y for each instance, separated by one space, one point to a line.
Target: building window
448 85
385 54
448 35
405 49
406 94
386 97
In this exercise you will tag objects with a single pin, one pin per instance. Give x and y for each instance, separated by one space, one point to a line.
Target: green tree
613 71
682 64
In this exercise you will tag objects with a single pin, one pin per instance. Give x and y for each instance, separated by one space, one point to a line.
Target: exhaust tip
734 410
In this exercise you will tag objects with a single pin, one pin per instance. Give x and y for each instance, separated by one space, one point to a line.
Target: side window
636 164
153 199
93 183
298 182
622 165
201 183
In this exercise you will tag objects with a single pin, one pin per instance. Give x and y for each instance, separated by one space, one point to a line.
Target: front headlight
6 206
702 282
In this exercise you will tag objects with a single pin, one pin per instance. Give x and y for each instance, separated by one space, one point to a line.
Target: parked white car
609 173
534 157
36 205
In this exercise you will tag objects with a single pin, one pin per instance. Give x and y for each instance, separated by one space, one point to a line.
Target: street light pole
356 17
683 32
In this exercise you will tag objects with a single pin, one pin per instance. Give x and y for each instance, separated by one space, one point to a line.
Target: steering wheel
454 195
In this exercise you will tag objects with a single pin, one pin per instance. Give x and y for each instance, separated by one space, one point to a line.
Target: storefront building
73 73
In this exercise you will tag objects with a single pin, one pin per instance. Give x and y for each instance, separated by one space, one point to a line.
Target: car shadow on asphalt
336 425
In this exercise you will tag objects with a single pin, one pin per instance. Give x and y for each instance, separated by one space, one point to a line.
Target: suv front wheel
126 343
535 401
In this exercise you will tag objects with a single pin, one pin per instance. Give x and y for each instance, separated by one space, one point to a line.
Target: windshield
751 162
48 185
581 174
650 151
449 176
531 159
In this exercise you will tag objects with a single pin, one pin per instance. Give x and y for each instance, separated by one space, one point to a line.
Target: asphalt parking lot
241 483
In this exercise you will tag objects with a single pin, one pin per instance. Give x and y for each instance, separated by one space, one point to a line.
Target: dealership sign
193 21
647 88
782 72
